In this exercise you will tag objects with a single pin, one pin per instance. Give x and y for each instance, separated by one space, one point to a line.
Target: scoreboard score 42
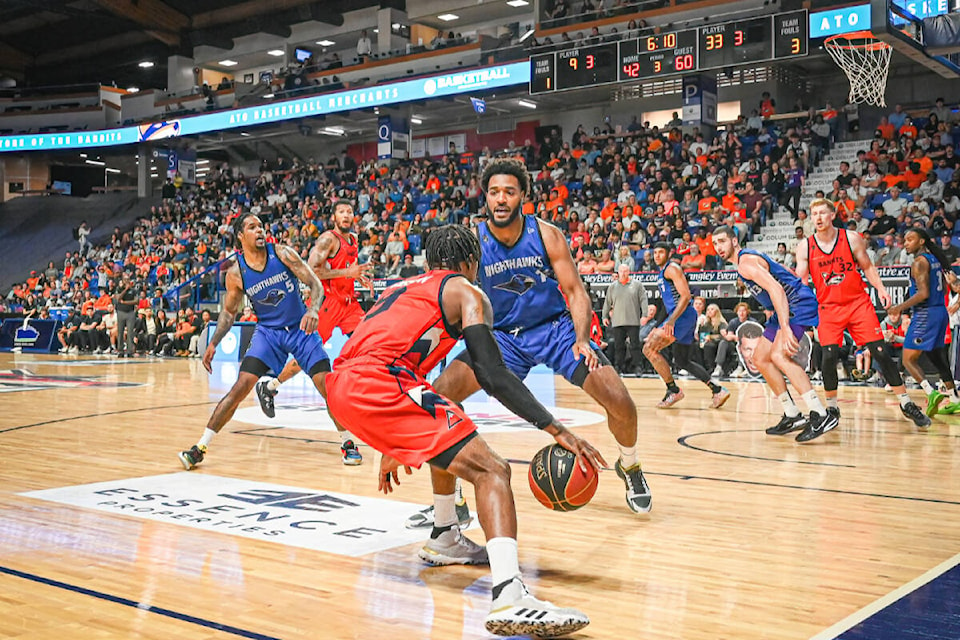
773 37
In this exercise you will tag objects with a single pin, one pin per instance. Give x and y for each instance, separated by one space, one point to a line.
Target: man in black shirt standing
126 316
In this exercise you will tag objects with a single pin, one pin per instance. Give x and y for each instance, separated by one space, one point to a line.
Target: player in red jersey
334 260
832 257
379 390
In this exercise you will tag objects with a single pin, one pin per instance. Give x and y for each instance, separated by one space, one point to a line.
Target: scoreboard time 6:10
772 37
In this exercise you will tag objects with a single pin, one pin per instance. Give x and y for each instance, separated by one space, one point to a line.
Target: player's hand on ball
208 354
589 355
309 322
388 470
585 452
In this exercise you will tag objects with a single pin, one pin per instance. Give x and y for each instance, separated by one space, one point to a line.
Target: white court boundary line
856 618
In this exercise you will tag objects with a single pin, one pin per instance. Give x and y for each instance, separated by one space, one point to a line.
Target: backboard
906 32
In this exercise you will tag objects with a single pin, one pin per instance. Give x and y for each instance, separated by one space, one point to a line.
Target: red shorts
858 318
395 411
337 313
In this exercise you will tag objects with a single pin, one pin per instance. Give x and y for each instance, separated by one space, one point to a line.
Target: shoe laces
635 480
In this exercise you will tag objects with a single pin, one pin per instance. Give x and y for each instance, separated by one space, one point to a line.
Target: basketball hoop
865 60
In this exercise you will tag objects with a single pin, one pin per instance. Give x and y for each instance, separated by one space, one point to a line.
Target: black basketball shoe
266 399
787 424
818 425
916 414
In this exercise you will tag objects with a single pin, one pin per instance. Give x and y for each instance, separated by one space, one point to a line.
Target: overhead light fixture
275 52
448 17
112 170
203 162
133 89
396 25
96 162
228 63
326 43
415 120
527 104
332 131
268 96
146 64
517 3
526 35
83 155
376 30
244 134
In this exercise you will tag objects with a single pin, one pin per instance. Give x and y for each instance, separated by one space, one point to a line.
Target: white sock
812 400
206 437
458 493
789 408
715 380
504 563
927 387
832 402
273 384
904 399
628 455
444 509
346 435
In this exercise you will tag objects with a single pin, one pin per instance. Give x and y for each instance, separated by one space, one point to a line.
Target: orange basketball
557 481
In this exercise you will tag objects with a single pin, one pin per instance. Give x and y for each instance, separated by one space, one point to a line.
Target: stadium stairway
779 227
36 230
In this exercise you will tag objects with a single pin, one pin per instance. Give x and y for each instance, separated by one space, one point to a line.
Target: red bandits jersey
836 275
841 292
346 256
379 390
405 327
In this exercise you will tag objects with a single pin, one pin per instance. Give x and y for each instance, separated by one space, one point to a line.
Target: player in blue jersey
794 307
928 326
269 275
542 315
679 329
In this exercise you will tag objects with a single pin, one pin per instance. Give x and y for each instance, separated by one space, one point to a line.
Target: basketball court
751 536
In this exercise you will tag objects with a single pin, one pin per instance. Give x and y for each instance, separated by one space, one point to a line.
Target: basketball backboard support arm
904 32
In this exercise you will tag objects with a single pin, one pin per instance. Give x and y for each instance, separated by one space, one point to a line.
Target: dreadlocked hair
931 246
509 167
450 245
238 227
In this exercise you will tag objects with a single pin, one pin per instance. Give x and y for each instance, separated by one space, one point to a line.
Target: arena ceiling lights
448 17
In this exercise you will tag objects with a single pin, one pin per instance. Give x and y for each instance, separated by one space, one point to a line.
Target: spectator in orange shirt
908 130
844 205
913 176
693 261
885 129
707 203
589 263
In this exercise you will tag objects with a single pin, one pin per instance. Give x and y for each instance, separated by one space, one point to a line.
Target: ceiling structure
61 42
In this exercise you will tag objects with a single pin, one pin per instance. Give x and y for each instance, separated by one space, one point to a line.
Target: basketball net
866 61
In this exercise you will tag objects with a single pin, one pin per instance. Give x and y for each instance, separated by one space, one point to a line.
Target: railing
203 288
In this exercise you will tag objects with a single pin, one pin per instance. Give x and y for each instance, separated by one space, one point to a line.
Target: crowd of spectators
614 190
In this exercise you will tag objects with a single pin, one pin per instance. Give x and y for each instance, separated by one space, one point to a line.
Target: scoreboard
773 37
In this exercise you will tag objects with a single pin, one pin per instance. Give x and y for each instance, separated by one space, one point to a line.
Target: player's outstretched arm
578 300
466 306
231 306
306 275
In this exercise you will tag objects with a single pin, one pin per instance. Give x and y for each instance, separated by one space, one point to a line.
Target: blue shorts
272 346
550 343
684 329
773 328
928 329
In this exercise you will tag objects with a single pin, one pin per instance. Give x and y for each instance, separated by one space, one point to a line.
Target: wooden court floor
750 537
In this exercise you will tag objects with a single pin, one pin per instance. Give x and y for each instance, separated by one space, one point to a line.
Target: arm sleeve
500 382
